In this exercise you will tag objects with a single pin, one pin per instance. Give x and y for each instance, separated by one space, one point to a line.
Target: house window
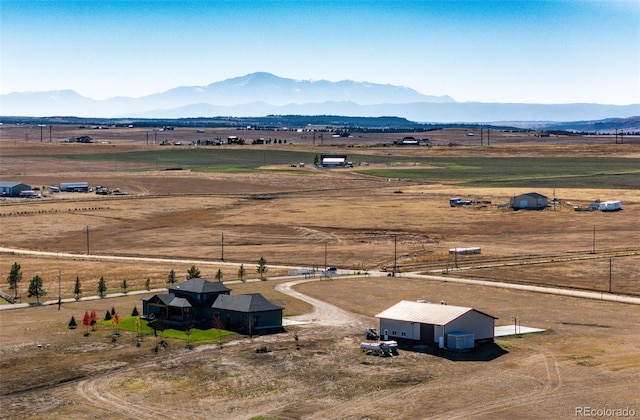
394 332
404 333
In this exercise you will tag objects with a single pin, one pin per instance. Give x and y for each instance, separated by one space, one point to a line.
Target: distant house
528 201
436 324
250 313
12 189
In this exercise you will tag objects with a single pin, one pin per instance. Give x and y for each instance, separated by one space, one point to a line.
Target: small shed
12 189
529 201
433 324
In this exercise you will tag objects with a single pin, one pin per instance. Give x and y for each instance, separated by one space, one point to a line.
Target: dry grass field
306 217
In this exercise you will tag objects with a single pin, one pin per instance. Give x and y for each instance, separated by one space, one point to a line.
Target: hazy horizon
551 52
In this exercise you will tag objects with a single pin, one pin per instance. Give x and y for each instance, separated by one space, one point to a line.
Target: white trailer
610 206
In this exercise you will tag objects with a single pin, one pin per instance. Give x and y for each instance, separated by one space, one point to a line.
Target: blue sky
543 51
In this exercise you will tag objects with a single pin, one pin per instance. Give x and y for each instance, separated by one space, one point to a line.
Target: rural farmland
218 207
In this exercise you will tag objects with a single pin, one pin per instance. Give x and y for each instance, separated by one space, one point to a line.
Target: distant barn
333 161
528 201
12 189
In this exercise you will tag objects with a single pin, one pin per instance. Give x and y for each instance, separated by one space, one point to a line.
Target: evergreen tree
171 279
73 324
107 316
15 276
124 286
76 289
102 287
219 276
241 273
135 311
193 273
113 311
36 288
262 267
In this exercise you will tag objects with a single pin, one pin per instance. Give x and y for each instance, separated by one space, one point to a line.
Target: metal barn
435 324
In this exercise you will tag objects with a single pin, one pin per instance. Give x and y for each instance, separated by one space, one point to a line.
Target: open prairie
217 207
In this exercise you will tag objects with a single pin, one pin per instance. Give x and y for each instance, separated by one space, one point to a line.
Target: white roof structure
425 313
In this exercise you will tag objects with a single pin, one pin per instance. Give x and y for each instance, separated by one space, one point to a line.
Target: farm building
436 324
187 301
74 186
12 189
250 313
528 201
333 161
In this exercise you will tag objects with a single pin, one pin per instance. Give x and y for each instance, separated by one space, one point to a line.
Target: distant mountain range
262 94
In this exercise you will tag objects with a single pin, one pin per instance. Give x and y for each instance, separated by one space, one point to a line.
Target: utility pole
50 128
222 248
87 239
610 269
395 254
593 247
60 289
481 136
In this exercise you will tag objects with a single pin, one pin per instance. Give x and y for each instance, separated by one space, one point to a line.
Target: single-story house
189 301
250 313
528 201
436 324
12 189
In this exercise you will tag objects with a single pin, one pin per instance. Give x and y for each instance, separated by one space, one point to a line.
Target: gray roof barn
528 201
12 188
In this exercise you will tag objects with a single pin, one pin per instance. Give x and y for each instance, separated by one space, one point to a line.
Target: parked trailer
380 348
610 206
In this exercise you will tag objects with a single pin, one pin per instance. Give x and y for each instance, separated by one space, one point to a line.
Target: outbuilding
12 189
436 324
529 201
74 186
333 161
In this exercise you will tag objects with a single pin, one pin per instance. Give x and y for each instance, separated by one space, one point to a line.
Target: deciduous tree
219 276
262 267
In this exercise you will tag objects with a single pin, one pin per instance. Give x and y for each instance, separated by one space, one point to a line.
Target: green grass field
567 172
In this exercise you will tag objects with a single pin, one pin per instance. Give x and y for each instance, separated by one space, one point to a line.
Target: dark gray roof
252 302
196 285
169 299
10 184
535 194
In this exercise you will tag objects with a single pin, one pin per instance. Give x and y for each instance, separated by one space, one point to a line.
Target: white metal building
435 324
